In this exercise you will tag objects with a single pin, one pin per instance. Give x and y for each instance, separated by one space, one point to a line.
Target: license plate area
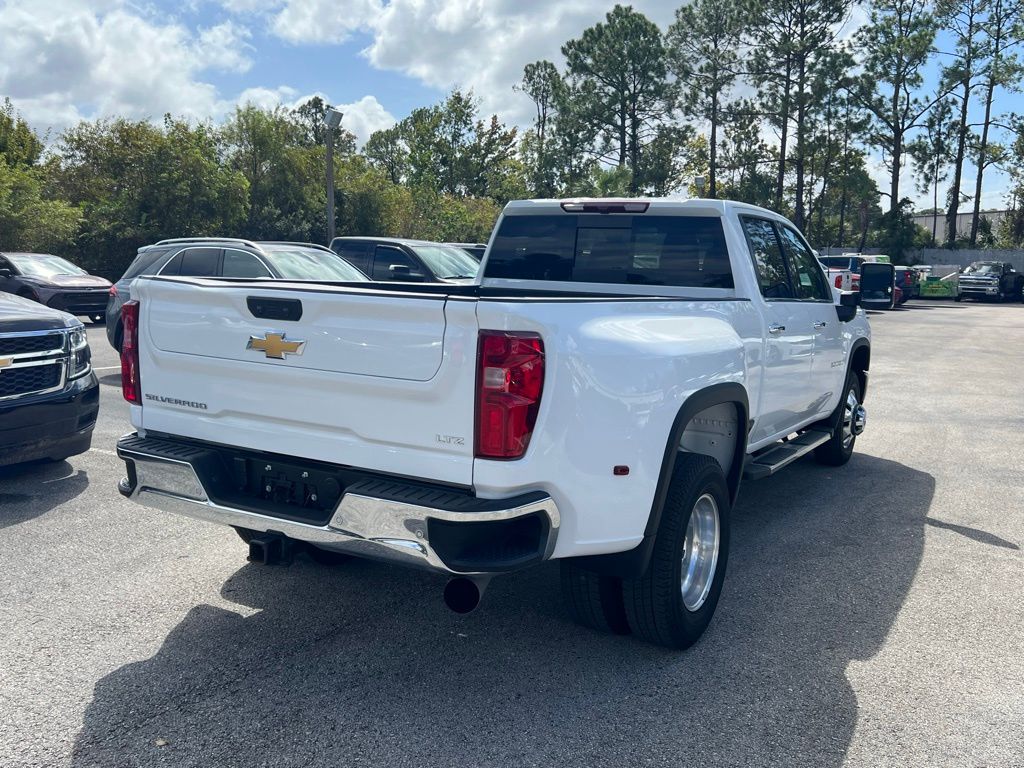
280 488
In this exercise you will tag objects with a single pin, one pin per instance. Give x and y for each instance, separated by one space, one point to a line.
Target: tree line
770 103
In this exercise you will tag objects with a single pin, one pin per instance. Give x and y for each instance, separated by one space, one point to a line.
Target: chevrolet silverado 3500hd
595 397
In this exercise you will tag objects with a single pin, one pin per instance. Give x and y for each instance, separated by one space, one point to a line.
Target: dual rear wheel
672 603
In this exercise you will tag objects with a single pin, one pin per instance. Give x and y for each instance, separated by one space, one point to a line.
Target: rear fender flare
633 563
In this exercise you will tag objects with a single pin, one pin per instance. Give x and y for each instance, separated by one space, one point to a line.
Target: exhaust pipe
271 550
462 594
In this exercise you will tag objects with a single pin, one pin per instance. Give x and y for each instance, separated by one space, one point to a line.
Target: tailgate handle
267 308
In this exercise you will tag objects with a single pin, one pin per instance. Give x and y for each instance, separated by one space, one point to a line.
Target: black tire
593 600
835 452
654 602
326 556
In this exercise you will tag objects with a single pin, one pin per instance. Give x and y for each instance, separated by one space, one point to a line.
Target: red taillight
131 385
510 379
839 282
908 280
113 290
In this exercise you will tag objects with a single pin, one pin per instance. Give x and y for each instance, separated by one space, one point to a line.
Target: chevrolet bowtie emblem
5 361
274 345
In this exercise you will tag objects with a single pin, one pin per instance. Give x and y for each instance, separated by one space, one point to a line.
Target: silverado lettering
176 401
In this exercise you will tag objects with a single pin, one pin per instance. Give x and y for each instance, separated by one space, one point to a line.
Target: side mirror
5 272
404 272
877 285
846 309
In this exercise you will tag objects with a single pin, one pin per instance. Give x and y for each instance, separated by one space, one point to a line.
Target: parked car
416 261
476 250
55 282
850 262
595 399
840 277
225 257
990 280
49 395
908 281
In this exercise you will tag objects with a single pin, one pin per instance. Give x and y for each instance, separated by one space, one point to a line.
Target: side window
387 256
145 262
242 264
193 262
768 259
356 254
173 265
808 279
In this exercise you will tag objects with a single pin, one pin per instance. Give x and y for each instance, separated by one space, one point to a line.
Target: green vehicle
938 282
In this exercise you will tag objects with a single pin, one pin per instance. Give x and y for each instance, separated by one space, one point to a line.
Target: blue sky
65 60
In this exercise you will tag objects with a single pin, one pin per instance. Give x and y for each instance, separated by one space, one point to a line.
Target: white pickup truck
596 398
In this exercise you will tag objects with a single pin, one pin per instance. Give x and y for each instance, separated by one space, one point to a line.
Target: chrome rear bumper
361 524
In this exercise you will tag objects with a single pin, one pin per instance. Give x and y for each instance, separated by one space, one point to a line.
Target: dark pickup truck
49 395
990 280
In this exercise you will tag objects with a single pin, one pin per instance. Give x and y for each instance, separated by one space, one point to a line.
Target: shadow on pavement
982 537
111 379
32 489
361 663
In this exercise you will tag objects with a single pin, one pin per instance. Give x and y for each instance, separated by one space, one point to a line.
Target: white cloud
65 60
224 47
365 116
324 21
484 45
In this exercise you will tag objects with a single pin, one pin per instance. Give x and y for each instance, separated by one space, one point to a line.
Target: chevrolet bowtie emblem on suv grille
5 361
274 345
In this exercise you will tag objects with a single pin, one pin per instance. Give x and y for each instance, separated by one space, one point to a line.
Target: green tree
136 182
932 153
386 149
1003 34
745 159
619 68
703 46
286 199
19 144
309 116
543 83
898 40
29 219
961 77
796 58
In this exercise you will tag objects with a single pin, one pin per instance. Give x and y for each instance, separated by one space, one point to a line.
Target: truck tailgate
383 380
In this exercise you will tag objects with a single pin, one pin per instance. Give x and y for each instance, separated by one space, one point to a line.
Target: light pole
332 119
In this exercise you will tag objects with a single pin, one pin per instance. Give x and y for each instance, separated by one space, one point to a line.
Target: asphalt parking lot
872 615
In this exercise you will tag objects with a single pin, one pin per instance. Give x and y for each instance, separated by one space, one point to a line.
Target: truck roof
669 204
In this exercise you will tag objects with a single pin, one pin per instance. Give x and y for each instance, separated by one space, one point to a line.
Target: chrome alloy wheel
855 418
700 552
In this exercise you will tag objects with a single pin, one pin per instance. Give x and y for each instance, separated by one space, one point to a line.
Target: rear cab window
643 249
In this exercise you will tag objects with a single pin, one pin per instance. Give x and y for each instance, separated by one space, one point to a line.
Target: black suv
55 282
49 395
227 257
409 261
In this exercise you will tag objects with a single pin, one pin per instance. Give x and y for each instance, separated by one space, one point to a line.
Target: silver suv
227 257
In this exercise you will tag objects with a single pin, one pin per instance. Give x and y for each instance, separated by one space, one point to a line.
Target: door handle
776 328
819 324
